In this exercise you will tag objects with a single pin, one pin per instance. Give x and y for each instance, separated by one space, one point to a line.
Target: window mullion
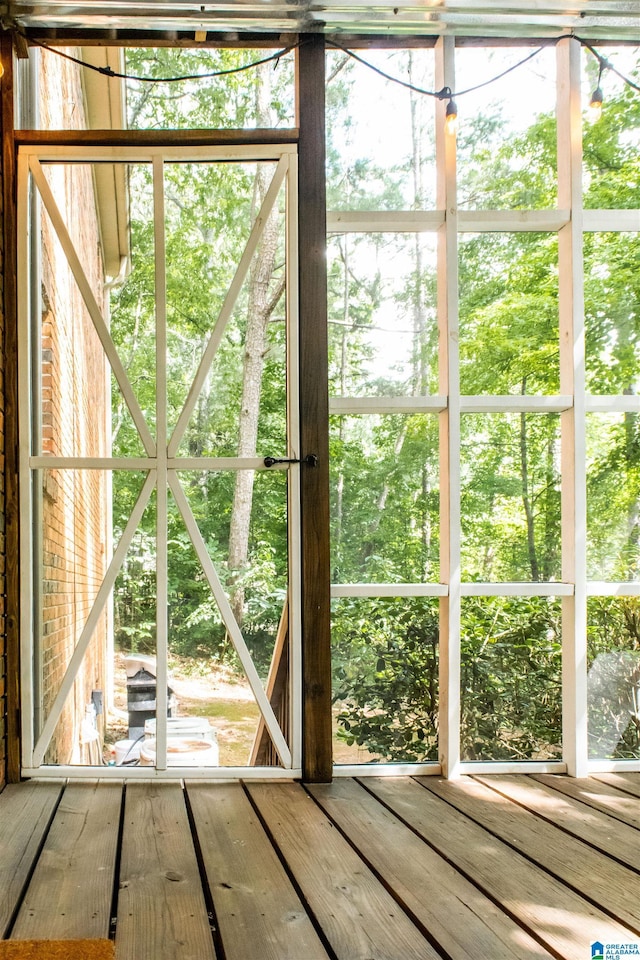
450 606
162 599
572 381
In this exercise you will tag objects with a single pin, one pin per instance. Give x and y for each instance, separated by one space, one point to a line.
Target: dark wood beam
10 369
314 413
184 39
151 138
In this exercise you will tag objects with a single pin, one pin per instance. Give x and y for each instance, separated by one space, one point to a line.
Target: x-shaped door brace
165 473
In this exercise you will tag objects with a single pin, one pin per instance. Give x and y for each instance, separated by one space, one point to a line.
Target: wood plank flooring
379 868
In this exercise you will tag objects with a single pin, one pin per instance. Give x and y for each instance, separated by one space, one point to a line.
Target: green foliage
510 497
209 210
385 491
509 341
383 342
613 451
384 529
511 679
611 157
227 101
613 638
385 677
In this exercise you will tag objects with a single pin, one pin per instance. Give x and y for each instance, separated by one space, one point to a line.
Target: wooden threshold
405 868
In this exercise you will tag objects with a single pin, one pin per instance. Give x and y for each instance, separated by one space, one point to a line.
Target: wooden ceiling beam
71 37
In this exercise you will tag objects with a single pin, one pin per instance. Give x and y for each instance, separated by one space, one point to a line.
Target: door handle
311 460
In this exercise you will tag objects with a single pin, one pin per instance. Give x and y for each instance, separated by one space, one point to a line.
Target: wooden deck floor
391 869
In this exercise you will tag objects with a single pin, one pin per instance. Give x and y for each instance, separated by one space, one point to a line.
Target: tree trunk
261 304
633 509
550 533
526 499
346 320
420 315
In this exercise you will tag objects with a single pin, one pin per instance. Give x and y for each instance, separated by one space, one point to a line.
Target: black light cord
445 94
108 72
607 65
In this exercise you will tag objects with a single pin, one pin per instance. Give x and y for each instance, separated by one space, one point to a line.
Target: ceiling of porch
595 19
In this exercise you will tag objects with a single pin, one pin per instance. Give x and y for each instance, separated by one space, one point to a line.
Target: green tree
209 211
509 344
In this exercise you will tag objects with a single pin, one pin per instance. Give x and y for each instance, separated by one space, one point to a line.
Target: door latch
311 460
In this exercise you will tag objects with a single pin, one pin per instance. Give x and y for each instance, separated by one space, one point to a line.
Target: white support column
449 679
162 600
293 485
573 424
27 634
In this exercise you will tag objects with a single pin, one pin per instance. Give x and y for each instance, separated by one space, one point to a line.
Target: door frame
156 153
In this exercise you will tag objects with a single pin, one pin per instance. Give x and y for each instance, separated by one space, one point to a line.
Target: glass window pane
210 211
72 98
132 315
75 385
510 479
380 136
612 311
384 499
611 142
511 679
383 333
258 97
71 385
72 551
208 677
614 678
509 327
507 130
385 680
613 496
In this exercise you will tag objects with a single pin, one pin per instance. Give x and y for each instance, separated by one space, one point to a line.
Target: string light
595 106
451 118
444 94
594 111
604 64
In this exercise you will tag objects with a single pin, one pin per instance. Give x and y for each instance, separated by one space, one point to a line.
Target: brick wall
74 389
74 384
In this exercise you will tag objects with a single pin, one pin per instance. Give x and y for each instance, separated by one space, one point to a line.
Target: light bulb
451 118
1 69
595 107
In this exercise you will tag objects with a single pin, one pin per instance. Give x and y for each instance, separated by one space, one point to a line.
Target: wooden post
450 607
314 414
10 410
573 421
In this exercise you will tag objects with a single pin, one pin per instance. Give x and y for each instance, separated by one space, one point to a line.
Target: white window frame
569 221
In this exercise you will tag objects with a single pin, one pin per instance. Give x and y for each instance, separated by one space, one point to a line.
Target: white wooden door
111 386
